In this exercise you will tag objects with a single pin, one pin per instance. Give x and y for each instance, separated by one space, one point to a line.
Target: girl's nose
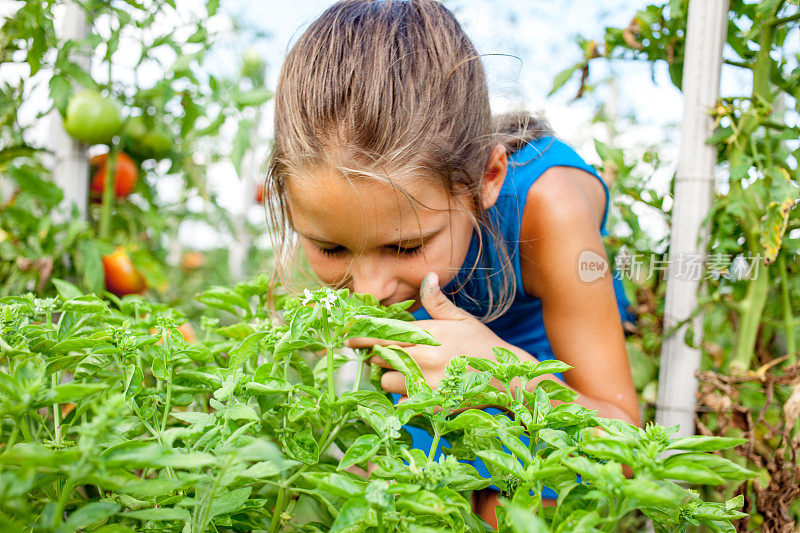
372 277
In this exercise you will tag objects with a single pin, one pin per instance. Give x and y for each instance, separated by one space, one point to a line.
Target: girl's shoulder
529 163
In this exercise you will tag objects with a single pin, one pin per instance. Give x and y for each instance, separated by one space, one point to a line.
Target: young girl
390 173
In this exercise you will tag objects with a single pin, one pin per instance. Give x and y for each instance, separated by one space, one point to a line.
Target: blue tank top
522 324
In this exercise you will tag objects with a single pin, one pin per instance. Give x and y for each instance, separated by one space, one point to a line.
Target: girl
390 173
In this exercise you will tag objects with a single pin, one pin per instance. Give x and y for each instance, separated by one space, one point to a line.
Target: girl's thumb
436 303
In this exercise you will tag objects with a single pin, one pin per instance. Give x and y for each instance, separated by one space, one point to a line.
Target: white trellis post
242 240
694 192
70 167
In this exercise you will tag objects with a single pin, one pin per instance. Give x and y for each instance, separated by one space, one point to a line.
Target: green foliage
109 418
749 281
175 113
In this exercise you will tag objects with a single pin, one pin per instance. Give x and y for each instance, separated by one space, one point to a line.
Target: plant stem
434 445
278 510
790 18
331 377
359 372
204 509
752 309
54 379
167 404
788 317
380 521
758 288
109 186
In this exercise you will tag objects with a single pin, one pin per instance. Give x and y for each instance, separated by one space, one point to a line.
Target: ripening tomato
186 330
125 174
192 261
121 276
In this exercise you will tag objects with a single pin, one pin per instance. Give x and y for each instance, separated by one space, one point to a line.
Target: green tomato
135 128
157 143
92 118
252 64
146 139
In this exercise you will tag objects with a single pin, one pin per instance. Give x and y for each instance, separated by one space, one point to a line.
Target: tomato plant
92 118
179 108
121 275
125 174
128 429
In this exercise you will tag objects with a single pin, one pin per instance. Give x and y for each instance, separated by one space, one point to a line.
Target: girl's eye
336 250
410 250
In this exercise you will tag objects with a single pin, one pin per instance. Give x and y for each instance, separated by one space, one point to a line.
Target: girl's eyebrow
402 242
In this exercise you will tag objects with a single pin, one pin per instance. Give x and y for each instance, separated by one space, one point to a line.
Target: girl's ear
494 176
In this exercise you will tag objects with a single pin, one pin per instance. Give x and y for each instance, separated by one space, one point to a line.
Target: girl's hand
459 333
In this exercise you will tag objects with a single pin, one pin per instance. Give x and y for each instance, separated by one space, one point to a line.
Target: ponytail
515 129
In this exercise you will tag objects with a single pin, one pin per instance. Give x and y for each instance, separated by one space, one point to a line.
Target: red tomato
125 174
259 196
122 277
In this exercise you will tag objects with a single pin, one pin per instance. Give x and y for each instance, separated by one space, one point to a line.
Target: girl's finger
394 382
366 342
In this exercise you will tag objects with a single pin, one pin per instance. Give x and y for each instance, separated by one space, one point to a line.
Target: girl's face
372 238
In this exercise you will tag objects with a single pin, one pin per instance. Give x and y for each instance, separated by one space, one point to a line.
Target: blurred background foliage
185 123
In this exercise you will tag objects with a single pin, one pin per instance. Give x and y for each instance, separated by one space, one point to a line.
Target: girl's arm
561 220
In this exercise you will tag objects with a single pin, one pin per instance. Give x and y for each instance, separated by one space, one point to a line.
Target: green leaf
241 143
405 364
389 329
151 488
562 78
66 289
343 485
159 369
719 465
302 446
236 331
187 460
91 513
702 443
270 386
229 502
556 438
60 92
505 356
256 97
362 449
352 516
651 493
691 473
542 368
73 392
504 462
523 520
70 345
471 419
160 514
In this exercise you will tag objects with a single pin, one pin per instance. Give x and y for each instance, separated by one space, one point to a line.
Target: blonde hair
375 87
